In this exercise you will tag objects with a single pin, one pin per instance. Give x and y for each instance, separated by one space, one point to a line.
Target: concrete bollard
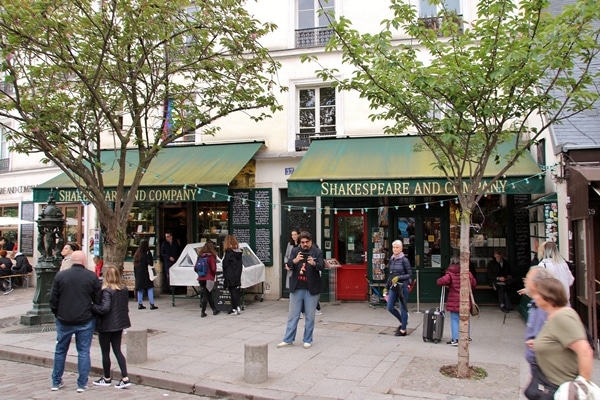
256 362
137 346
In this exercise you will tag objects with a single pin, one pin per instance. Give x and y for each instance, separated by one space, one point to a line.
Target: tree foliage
465 87
86 75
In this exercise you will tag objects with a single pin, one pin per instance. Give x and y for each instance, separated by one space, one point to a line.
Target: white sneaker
284 344
301 315
239 310
319 312
307 345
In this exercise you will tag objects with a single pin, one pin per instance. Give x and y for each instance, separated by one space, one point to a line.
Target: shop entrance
423 244
350 250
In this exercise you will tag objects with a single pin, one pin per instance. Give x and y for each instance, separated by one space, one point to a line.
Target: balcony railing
303 139
313 37
435 23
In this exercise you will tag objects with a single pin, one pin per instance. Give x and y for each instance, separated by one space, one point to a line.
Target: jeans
299 298
454 324
140 295
83 341
401 316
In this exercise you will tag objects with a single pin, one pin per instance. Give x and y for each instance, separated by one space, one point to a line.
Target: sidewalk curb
149 378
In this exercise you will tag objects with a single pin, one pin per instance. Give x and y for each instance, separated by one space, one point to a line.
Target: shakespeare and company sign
408 188
145 194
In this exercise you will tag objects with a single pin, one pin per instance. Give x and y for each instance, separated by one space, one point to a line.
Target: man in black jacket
306 263
73 292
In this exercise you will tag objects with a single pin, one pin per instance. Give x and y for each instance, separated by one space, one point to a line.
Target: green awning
389 166
172 175
546 199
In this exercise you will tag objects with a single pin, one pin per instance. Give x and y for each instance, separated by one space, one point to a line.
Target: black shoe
400 333
504 309
398 329
153 307
216 312
202 314
141 307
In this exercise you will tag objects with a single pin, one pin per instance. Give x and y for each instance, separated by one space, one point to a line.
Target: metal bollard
256 362
137 346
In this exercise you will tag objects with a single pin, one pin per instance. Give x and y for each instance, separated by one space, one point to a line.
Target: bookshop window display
213 221
141 225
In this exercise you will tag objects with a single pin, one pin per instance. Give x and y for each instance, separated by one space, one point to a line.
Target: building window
4 153
428 13
313 23
173 115
316 115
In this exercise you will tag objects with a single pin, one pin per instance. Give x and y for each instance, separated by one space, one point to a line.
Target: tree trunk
115 244
465 286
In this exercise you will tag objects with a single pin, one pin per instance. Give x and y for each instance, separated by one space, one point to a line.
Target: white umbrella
7 221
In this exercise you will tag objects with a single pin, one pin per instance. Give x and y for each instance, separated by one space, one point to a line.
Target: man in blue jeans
305 263
73 292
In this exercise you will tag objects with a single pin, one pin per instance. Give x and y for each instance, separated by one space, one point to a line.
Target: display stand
332 264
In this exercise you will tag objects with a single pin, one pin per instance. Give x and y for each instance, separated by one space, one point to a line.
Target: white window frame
315 13
294 109
438 8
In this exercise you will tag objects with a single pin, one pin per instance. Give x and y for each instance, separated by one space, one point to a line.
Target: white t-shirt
561 272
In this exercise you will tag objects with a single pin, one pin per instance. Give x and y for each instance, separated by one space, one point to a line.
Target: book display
141 226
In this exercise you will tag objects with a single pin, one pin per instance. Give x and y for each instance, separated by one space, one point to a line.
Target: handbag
152 272
474 306
539 387
579 389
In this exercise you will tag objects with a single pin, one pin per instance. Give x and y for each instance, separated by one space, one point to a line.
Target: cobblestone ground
26 381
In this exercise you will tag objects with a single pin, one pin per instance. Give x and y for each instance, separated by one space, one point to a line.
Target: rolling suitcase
433 321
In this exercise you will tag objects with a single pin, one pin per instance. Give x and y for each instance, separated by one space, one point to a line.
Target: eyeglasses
305 241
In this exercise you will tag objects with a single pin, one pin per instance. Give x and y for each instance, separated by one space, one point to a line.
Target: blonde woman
114 317
552 260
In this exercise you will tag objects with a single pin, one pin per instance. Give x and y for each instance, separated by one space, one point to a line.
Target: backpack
201 266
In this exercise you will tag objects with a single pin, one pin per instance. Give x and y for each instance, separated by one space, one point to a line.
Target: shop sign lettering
412 188
16 189
144 194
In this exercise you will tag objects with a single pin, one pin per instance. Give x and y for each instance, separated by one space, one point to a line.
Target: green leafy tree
465 87
86 75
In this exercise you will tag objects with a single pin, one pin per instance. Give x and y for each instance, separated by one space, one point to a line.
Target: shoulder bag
474 306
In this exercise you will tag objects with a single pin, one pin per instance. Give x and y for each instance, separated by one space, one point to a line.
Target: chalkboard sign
251 219
522 249
26 238
221 295
240 209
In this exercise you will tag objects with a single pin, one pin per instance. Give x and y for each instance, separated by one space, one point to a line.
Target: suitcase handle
442 299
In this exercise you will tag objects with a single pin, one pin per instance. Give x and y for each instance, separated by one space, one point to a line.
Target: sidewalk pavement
355 354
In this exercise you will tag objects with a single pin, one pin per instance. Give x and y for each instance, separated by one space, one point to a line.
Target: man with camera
305 263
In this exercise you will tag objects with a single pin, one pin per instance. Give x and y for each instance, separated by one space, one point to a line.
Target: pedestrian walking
306 262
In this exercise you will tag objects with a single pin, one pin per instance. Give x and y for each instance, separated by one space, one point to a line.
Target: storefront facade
375 190
197 193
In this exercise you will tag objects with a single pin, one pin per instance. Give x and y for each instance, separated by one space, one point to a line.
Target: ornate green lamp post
50 243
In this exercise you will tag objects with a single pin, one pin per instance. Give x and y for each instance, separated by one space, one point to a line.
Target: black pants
108 339
236 295
503 291
206 297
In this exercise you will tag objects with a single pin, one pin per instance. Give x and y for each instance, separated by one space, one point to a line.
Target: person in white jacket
555 263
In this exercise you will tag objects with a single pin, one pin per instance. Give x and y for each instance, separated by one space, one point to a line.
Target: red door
350 249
